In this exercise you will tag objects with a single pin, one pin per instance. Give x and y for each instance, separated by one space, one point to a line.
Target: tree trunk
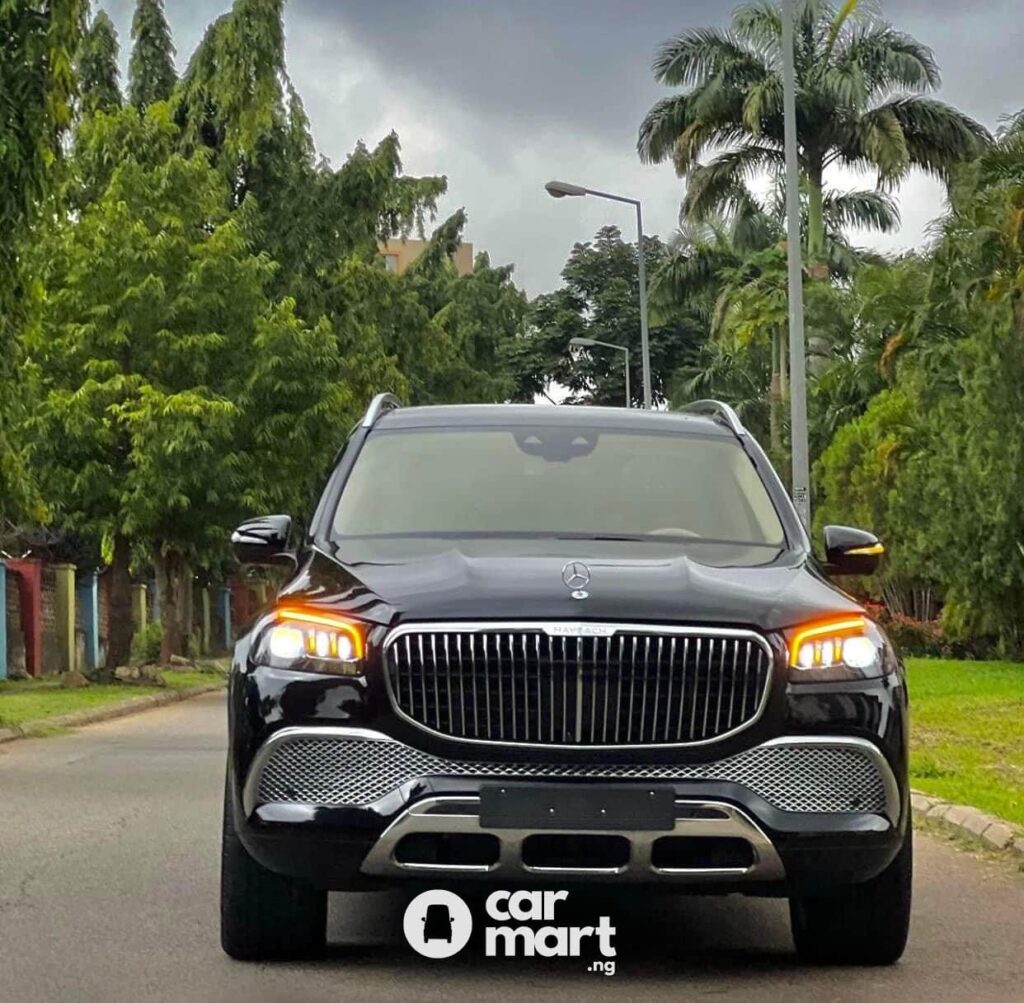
170 569
119 641
775 397
815 218
783 368
188 614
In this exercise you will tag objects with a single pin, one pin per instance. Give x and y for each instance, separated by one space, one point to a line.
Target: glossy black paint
396 581
841 546
263 540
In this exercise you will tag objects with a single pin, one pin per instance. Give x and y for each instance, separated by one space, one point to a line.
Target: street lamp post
558 190
797 352
591 342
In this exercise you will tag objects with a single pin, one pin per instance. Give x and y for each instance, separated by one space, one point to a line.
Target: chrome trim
716 409
424 816
285 735
892 790
578 629
379 404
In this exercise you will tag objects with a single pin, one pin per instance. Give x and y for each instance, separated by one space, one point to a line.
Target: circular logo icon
437 924
576 575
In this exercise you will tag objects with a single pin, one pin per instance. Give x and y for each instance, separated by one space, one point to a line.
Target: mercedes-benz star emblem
576 576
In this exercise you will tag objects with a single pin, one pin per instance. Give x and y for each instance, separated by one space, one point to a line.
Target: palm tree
861 103
731 269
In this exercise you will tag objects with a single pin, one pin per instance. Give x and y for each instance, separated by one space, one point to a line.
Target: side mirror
851 551
263 540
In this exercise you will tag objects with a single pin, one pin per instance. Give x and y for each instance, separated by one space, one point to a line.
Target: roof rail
719 410
379 404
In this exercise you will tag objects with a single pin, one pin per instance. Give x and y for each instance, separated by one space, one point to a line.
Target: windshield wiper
601 537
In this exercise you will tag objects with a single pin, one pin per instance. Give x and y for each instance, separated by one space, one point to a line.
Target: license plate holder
605 807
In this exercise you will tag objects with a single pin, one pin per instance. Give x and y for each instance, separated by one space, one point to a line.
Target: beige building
400 254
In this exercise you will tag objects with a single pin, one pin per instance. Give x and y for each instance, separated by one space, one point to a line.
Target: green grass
967 733
27 700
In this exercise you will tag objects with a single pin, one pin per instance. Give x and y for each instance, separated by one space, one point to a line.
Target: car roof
572 416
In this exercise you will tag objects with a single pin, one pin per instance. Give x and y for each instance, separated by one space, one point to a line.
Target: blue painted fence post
3 619
88 589
224 594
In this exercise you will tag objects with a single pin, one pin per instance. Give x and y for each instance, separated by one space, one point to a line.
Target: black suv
529 644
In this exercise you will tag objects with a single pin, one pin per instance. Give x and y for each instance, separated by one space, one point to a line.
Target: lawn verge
42 706
966 738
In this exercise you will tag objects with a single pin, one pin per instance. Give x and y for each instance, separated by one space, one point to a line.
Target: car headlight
308 640
849 647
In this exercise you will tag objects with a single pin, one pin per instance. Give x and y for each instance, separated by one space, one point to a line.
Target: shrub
191 646
146 644
916 637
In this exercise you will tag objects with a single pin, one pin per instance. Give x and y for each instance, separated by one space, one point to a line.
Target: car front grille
336 771
578 684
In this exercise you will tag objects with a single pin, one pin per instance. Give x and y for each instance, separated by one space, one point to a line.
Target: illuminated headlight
846 648
311 641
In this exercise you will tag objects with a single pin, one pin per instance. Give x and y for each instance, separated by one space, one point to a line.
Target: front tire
264 915
865 924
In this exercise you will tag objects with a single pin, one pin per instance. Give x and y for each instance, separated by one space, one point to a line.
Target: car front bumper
331 804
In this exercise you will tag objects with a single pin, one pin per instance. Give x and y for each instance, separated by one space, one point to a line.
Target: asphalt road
108 892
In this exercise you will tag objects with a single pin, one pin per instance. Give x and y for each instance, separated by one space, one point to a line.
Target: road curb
995 833
97 714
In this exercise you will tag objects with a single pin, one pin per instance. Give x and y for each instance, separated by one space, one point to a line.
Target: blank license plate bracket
611 807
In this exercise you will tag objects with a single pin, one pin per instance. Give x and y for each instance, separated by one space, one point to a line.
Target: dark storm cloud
584 64
503 96
587 61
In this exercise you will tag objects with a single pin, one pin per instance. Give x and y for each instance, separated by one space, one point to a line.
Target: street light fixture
591 343
560 189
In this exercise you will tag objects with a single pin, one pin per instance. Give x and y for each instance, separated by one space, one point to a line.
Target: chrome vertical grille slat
542 683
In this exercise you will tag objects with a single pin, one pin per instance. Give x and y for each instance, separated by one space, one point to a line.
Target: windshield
556 481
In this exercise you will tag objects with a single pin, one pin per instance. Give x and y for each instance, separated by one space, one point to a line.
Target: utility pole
645 342
797 350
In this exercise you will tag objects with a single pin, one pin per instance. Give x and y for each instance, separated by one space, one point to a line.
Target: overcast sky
504 95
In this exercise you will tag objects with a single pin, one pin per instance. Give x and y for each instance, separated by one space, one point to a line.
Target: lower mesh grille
357 771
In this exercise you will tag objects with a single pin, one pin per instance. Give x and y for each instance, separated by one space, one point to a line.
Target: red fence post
29 571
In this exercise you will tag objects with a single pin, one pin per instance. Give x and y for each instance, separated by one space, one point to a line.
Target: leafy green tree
484 318
97 67
886 320
38 82
236 100
933 460
600 299
38 86
315 217
864 478
861 103
473 321
151 74
230 95
978 282
165 371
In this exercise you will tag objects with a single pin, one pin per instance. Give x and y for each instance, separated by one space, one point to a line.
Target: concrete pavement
109 846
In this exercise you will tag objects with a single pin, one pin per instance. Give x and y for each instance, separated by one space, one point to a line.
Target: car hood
394 581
